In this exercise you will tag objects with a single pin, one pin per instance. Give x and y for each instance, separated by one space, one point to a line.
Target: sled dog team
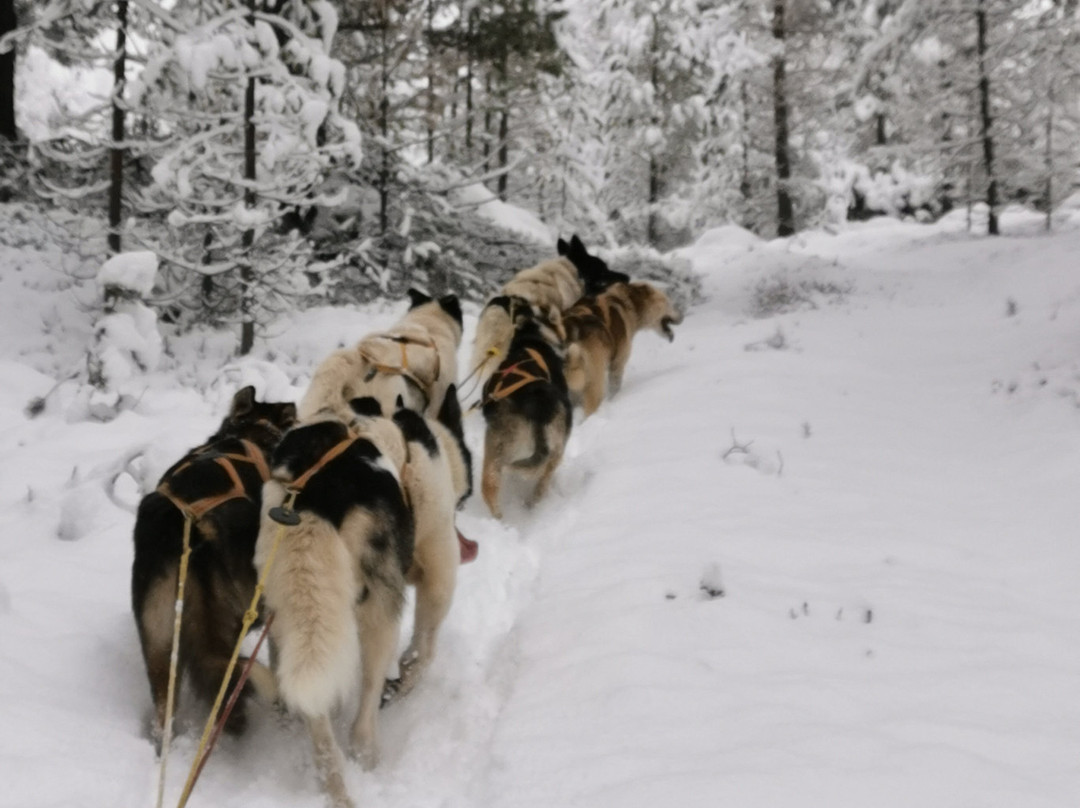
344 500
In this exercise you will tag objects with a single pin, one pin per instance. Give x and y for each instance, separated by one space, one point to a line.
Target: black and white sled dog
220 485
375 499
527 410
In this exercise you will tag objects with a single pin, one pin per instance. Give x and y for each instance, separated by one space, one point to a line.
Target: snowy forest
277 152
816 546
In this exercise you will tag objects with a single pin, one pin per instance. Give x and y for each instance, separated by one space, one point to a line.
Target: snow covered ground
820 551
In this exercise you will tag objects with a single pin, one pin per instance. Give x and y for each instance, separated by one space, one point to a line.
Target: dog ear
286 415
243 402
452 306
368 406
562 247
417 298
577 247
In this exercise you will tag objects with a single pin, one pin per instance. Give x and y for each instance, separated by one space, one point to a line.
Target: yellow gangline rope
249 618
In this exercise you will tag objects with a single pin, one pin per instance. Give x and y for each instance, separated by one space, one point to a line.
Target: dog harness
513 377
285 515
200 507
403 369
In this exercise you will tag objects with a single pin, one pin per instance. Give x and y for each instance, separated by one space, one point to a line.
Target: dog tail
312 589
494 330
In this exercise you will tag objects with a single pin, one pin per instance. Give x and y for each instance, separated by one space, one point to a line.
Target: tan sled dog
375 509
416 359
599 332
550 288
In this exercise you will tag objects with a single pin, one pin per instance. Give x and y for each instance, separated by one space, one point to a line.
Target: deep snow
881 481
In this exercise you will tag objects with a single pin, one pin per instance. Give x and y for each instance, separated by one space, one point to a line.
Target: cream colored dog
599 333
415 359
550 288
374 504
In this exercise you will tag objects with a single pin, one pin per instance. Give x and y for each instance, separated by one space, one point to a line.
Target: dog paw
391 692
367 755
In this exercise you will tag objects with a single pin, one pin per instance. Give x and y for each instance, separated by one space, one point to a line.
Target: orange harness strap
336 450
200 507
524 377
405 341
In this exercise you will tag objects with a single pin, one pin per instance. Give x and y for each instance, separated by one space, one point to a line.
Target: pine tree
249 104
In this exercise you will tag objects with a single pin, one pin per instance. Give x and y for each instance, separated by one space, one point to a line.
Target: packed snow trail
877 495
896 545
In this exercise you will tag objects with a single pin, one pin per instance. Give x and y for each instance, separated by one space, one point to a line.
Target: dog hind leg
435 581
379 623
328 760
210 630
556 441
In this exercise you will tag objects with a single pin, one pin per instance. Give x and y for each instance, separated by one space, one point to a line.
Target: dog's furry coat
221 578
599 333
415 359
550 288
527 428
377 516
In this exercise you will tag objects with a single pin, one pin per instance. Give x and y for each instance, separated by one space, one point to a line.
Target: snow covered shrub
774 296
126 338
673 274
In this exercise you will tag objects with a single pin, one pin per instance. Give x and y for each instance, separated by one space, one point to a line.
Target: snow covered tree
249 103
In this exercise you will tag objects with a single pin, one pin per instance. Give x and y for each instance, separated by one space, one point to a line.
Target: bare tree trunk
785 212
745 185
469 85
8 22
431 82
986 121
247 268
651 234
1050 156
487 122
504 133
651 224
116 150
384 126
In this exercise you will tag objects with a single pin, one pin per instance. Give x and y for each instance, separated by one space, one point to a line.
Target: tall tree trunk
247 268
785 212
1050 94
651 223
8 22
986 121
116 150
384 125
431 82
651 228
469 60
504 130
487 121
744 180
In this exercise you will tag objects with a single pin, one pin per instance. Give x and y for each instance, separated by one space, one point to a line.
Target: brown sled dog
415 359
550 288
219 484
375 504
526 406
599 333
